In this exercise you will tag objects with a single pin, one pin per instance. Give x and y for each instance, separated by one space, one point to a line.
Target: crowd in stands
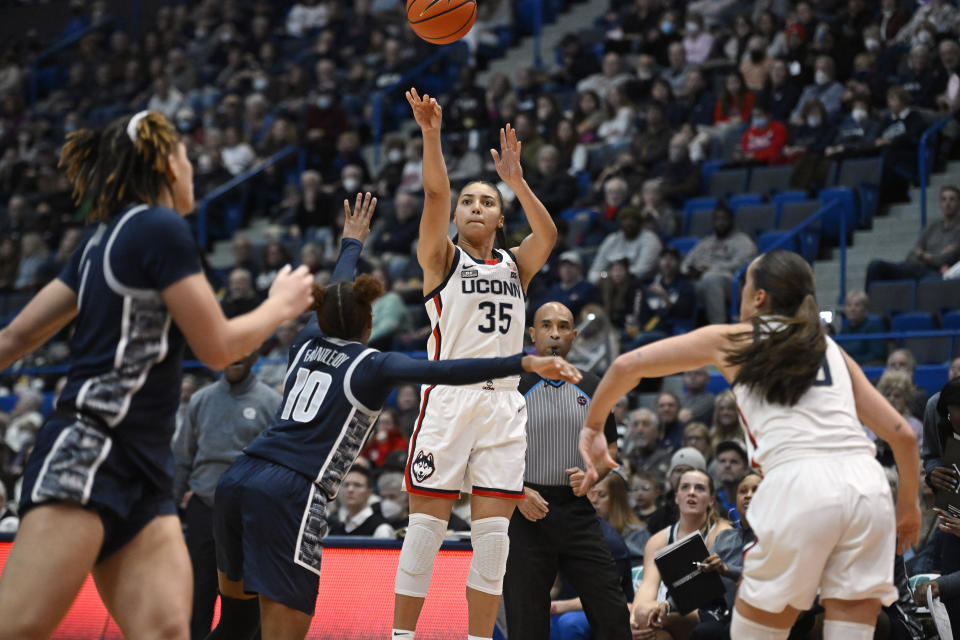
616 129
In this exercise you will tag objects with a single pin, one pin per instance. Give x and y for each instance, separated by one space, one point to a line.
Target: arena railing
792 237
378 97
923 165
237 181
56 48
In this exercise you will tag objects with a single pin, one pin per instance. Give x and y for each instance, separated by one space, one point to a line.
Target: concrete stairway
891 238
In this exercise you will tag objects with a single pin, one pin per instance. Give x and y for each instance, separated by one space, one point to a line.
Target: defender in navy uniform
270 512
98 489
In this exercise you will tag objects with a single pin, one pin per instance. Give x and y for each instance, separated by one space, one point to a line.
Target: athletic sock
743 629
844 630
239 619
401 634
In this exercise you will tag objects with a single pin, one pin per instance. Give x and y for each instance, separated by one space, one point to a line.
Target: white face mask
821 77
390 509
813 121
759 122
395 155
351 184
872 44
859 115
693 27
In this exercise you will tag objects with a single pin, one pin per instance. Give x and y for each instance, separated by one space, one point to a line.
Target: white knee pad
491 545
424 536
743 629
843 630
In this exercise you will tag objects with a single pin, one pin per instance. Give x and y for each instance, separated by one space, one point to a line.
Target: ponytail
343 309
780 358
127 161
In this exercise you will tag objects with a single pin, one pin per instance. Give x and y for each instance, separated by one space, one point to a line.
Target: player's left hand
908 523
507 162
356 224
593 448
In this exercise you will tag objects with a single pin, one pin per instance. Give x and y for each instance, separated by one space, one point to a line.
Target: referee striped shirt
556 411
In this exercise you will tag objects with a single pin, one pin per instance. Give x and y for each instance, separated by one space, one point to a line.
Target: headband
134 123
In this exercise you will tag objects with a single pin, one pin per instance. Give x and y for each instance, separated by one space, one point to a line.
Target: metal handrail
235 182
791 235
378 96
56 48
922 164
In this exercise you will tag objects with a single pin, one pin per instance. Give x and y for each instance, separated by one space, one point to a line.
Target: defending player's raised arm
356 226
48 312
535 249
885 421
433 247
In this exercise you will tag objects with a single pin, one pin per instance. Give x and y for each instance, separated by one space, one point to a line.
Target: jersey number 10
306 395
490 308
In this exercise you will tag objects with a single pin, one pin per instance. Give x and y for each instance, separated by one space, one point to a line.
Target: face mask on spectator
925 38
259 83
351 184
390 509
813 121
759 122
692 27
324 102
395 155
872 44
666 26
821 77
859 115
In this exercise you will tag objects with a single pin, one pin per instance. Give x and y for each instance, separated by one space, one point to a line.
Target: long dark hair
500 239
112 170
949 396
780 358
343 309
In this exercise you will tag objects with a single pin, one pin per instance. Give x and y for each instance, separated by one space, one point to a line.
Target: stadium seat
699 223
744 199
727 182
890 297
925 350
683 244
784 197
793 213
854 172
770 180
846 204
913 321
935 296
698 204
950 320
752 219
769 240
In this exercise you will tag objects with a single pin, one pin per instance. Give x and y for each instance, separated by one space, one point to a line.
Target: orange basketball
441 21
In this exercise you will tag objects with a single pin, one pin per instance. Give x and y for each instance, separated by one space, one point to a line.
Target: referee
553 530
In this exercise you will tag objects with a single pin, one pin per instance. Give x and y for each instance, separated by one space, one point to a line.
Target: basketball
441 21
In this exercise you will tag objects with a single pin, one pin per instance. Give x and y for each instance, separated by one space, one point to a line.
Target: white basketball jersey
823 422
478 311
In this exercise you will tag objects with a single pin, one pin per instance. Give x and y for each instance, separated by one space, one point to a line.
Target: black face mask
756 56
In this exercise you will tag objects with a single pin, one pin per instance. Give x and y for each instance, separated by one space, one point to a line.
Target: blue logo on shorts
422 467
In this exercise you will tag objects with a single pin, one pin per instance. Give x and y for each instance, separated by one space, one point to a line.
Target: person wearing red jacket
765 139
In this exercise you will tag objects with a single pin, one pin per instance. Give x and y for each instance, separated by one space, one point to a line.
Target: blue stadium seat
890 297
744 199
698 223
784 197
699 204
951 320
753 219
912 321
770 180
846 207
683 244
769 239
793 213
727 182
936 296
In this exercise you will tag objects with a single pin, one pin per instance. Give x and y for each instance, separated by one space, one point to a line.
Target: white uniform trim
112 282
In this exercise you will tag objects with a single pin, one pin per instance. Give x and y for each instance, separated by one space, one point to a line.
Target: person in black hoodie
899 135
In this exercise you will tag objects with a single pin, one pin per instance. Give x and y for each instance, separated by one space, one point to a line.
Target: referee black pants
569 540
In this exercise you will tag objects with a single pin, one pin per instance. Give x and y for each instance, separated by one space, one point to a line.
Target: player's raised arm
534 250
434 248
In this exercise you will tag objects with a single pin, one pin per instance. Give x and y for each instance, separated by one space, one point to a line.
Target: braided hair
343 309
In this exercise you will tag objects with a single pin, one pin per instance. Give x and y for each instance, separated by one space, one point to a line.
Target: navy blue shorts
76 460
269 523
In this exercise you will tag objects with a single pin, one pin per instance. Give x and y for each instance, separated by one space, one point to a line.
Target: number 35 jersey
478 310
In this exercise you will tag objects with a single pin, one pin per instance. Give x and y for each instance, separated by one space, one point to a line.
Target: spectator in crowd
731 466
397 233
609 499
825 88
394 502
237 155
408 407
166 99
782 91
808 145
937 248
240 290
726 419
570 289
696 435
900 132
275 256
646 487
658 215
919 78
904 360
697 41
898 388
676 72
713 261
221 420
696 104
764 140
735 102
892 19
645 447
856 133
390 315
69 241
22 425
9 262
33 255
618 124
272 374
668 414
355 517
667 304
940 14
386 439
856 320
632 243
651 146
755 65
696 403
610 75
614 291
307 16
680 176
559 188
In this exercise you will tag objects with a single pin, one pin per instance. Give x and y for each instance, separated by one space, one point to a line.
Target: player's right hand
533 507
426 111
943 479
356 224
292 289
552 368
593 449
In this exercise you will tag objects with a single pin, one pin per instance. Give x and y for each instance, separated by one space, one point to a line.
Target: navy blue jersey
126 350
333 392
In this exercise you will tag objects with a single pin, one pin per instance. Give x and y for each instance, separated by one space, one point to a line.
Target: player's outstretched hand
292 289
908 523
593 448
552 368
356 224
426 111
507 162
